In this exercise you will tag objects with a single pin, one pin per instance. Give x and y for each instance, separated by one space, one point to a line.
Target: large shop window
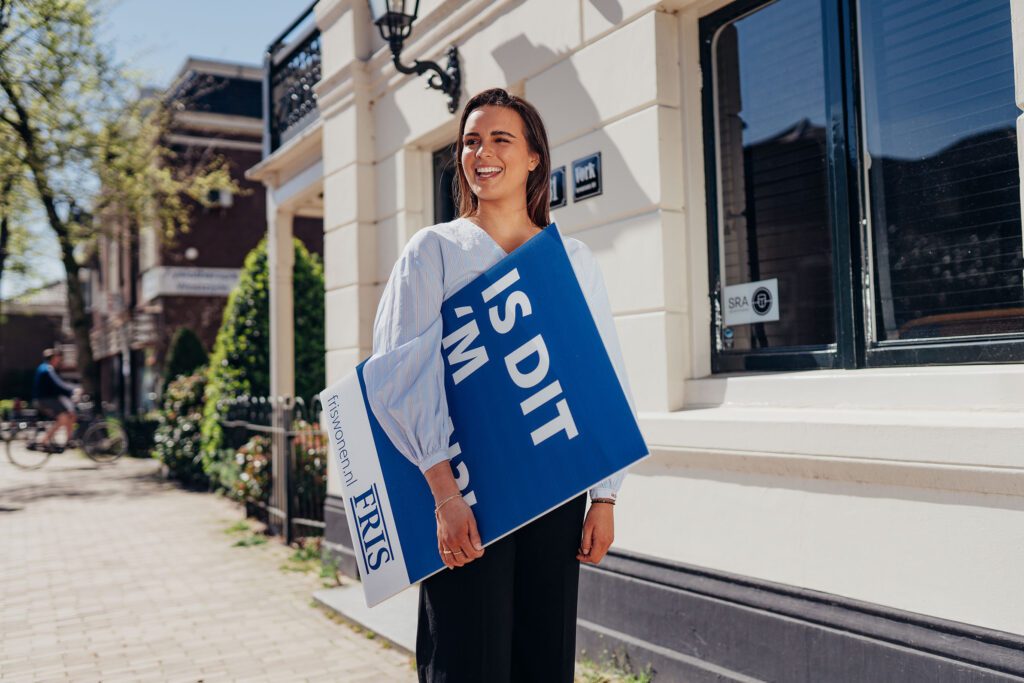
863 184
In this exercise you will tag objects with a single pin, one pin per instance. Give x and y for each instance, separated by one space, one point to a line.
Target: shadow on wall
611 10
517 58
614 166
393 119
621 187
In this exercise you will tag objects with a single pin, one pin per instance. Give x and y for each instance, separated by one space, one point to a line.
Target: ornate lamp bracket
448 80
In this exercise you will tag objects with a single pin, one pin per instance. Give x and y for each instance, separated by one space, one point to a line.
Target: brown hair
537 184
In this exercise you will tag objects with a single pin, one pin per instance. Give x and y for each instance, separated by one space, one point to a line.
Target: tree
8 178
185 355
15 240
240 361
176 442
90 147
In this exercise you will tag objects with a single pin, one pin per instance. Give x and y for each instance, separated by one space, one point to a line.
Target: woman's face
495 155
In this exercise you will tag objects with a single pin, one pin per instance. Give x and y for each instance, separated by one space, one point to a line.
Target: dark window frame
443 181
853 347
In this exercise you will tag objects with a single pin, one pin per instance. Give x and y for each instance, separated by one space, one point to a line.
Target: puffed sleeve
405 376
592 283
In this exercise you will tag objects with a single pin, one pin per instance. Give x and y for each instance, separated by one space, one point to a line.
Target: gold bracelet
437 508
610 501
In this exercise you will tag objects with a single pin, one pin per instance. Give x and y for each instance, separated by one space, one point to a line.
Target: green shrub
309 473
185 355
177 438
253 481
308 298
240 362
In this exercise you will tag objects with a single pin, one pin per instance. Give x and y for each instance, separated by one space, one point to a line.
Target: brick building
146 288
30 322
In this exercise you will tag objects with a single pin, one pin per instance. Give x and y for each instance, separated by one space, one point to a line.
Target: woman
507 613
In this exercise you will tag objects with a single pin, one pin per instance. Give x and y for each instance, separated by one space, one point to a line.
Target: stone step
394 620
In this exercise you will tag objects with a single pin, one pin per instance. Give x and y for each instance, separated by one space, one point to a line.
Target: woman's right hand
457 533
456 524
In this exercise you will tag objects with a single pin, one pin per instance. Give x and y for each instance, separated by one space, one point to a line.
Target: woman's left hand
598 533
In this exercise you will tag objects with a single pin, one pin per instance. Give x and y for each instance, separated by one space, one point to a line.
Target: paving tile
133 578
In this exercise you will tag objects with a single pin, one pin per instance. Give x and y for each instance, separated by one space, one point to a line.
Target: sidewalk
111 574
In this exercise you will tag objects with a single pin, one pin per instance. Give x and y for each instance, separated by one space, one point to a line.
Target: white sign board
751 302
182 281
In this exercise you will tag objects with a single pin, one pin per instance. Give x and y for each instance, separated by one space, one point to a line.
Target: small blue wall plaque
586 177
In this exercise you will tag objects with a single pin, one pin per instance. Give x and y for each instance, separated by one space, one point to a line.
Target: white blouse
405 375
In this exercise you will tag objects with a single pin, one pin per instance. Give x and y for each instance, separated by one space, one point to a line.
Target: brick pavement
112 574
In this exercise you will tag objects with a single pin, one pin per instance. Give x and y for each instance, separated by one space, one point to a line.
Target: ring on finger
448 552
460 552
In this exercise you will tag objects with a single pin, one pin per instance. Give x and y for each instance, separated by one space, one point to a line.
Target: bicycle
100 436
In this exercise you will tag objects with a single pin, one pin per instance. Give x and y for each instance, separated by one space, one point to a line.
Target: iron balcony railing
291 68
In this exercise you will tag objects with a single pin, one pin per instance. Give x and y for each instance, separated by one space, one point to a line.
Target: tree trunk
80 323
5 236
5 223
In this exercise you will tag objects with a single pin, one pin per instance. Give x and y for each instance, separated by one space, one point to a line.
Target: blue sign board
538 416
586 177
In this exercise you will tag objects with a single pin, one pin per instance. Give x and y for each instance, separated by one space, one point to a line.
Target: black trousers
509 616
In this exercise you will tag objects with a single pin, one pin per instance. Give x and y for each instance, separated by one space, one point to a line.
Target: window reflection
942 168
770 96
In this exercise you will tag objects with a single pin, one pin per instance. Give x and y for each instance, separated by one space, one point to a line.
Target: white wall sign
751 302
179 281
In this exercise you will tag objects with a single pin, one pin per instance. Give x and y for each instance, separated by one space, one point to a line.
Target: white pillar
281 259
351 279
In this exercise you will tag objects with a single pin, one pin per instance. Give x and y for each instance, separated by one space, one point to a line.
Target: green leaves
177 440
186 354
92 149
240 361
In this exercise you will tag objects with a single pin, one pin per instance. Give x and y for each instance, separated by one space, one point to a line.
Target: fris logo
374 540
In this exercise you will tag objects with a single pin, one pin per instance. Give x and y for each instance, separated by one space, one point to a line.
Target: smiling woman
508 614
502 148
490 149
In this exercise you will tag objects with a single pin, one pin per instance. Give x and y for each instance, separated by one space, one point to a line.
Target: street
113 574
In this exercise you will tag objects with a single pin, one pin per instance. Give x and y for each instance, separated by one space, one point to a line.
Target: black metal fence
281 453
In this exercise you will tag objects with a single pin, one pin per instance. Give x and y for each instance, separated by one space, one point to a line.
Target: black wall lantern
394 18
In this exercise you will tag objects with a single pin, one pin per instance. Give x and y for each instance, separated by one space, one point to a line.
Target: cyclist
52 397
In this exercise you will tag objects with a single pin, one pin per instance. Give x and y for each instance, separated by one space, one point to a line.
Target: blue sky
154 37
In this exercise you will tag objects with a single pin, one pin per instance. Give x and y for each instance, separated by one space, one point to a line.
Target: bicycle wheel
16 443
105 441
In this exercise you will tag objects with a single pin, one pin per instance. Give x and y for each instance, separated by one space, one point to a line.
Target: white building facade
809 225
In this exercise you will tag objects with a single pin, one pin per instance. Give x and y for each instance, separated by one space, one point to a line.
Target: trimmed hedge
177 439
240 362
185 355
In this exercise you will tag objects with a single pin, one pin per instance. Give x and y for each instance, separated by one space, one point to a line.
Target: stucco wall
903 487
